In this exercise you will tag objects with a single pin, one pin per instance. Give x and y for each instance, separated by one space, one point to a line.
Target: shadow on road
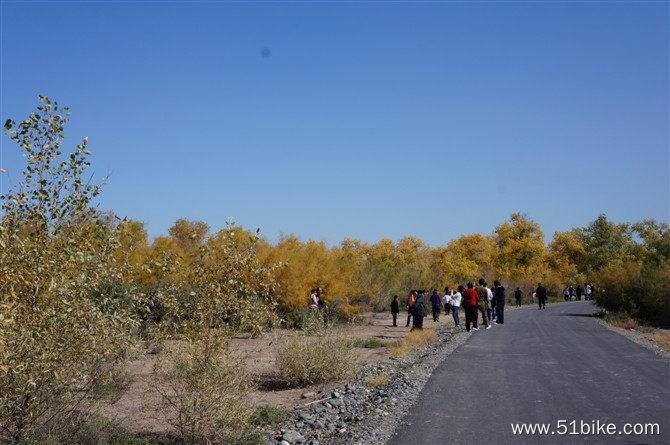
595 315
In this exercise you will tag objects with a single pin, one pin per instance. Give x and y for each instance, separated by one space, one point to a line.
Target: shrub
369 343
204 390
415 340
269 415
304 360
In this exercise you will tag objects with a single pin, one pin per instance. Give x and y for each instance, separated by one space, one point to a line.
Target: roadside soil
138 409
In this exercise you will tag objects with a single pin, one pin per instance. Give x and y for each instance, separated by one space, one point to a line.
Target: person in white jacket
455 303
446 299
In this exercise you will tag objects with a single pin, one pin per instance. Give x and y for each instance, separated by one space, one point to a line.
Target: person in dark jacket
579 292
411 298
395 310
541 293
499 298
517 296
419 310
436 302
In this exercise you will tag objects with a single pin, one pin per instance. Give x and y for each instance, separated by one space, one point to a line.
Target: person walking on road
436 302
455 304
499 298
541 292
411 298
484 301
566 293
492 304
579 292
517 296
470 297
587 292
419 310
446 300
395 310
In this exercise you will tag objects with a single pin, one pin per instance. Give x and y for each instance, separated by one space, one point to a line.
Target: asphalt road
542 366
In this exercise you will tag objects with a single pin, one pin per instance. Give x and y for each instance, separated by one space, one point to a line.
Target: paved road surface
540 367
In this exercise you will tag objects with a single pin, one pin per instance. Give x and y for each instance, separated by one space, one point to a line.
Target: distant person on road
517 296
566 293
580 291
590 291
419 310
411 298
499 298
436 302
455 304
541 296
572 292
483 301
470 297
587 292
446 300
395 310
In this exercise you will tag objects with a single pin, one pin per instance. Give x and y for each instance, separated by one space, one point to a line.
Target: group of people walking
571 293
489 302
476 300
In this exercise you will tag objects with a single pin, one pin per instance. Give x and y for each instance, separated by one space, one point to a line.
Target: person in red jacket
470 298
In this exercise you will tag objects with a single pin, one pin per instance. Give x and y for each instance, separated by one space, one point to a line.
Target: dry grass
379 381
622 321
662 338
414 340
305 360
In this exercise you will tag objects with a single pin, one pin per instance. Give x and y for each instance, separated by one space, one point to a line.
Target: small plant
414 340
305 360
369 343
269 415
379 381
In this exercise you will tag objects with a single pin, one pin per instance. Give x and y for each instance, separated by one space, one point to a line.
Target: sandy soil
138 409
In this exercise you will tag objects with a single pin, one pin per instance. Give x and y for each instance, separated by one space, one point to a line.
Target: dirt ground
138 409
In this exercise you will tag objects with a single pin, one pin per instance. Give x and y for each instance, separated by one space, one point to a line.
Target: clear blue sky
365 120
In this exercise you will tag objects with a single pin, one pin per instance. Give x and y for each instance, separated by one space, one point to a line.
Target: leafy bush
59 324
305 360
204 390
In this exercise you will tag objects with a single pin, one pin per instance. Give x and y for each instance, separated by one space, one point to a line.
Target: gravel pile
358 413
